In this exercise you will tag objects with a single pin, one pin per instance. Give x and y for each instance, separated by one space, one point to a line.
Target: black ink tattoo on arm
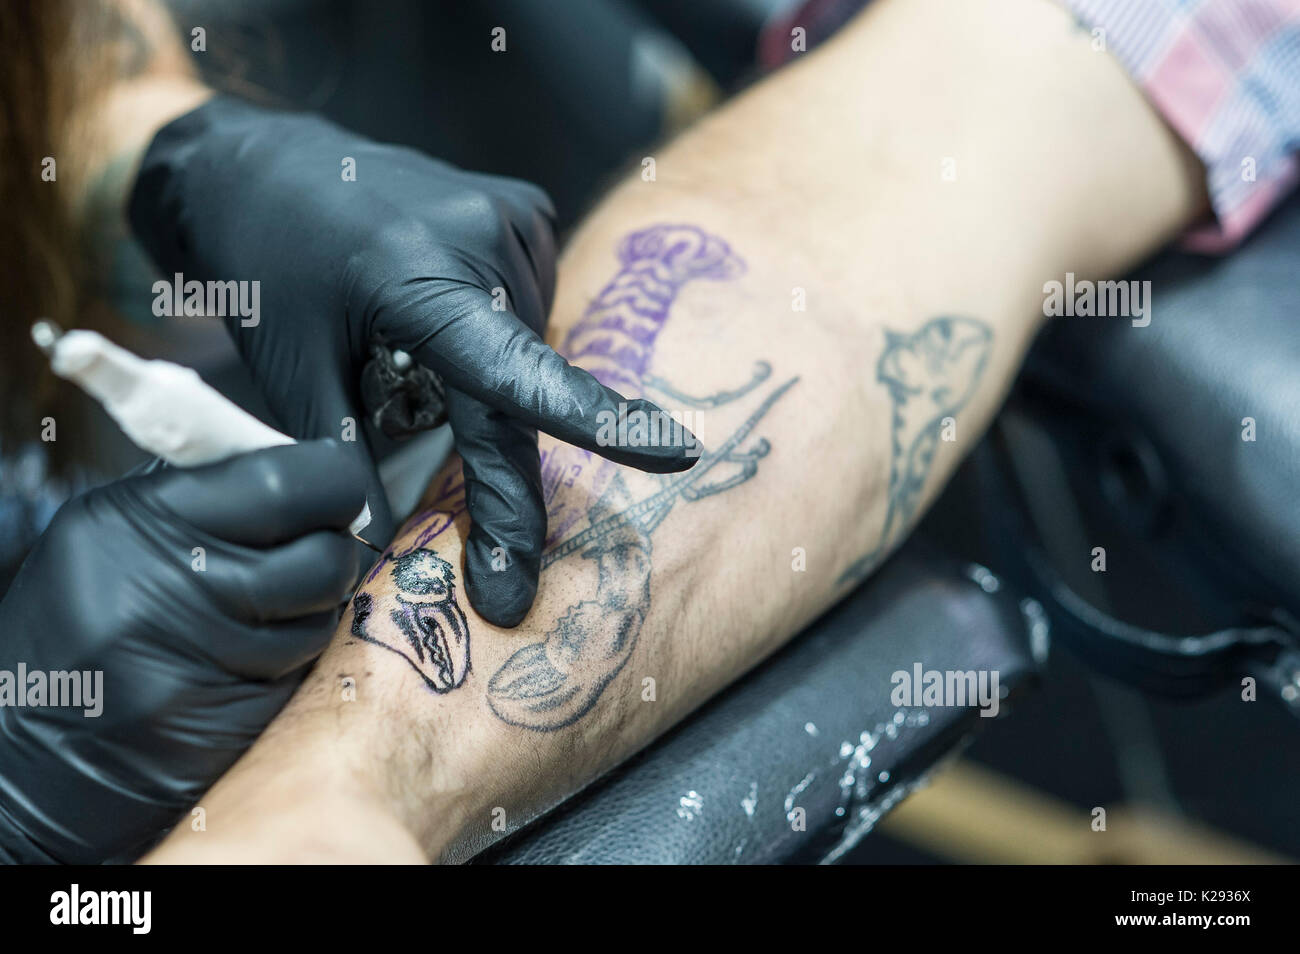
930 376
421 621
552 683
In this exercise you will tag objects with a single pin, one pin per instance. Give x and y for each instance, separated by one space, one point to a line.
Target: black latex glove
195 663
410 251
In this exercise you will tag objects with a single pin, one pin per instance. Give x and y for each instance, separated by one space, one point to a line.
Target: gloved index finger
266 497
494 357
507 509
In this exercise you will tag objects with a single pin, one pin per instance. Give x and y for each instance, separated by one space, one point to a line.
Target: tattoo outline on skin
547 685
615 340
550 684
930 375
420 621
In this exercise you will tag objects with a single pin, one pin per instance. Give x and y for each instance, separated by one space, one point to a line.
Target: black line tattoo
649 512
762 371
930 374
553 683
547 685
421 621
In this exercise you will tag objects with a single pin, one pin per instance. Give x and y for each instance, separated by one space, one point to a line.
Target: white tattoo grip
165 408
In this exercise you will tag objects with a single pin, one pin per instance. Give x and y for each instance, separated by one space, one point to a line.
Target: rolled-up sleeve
1224 74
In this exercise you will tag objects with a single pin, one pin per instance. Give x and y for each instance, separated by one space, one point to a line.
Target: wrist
318 827
297 798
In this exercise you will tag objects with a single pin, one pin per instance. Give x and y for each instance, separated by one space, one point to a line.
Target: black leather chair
813 729
1151 424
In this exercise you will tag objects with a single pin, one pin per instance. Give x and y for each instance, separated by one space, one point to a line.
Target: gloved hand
411 250
195 661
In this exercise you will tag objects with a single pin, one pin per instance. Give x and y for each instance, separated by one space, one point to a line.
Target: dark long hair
41 77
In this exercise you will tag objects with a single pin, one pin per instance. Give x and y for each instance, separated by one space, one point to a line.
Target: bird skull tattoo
421 621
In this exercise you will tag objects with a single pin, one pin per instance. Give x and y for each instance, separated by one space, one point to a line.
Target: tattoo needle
166 409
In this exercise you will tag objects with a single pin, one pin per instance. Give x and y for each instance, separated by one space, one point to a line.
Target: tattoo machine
166 409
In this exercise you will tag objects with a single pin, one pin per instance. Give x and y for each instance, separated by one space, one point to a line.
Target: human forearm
913 316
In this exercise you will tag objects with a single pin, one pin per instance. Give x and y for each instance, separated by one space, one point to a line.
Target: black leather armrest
1179 448
813 728
1216 364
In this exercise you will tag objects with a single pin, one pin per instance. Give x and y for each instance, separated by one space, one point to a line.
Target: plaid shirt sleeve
1225 74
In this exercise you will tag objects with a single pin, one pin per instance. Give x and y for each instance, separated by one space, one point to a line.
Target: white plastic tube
165 408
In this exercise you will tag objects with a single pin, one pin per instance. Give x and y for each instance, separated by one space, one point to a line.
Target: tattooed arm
424 730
